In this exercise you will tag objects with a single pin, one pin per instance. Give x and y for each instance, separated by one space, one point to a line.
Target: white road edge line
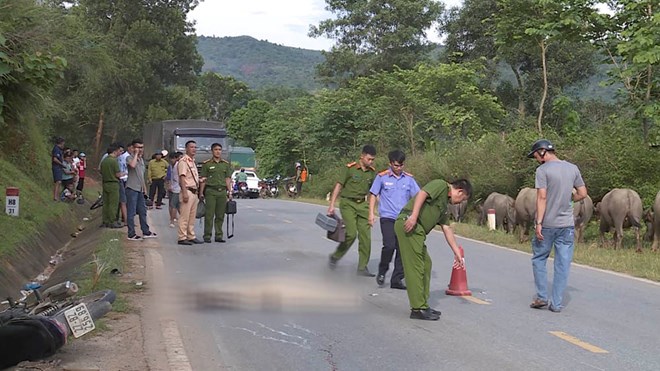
176 353
623 275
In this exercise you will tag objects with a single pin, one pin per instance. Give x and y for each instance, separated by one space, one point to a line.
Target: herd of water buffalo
620 208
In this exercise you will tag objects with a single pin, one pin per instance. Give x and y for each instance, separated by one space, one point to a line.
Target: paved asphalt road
288 311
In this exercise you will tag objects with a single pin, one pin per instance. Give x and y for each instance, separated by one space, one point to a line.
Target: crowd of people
68 166
130 187
409 213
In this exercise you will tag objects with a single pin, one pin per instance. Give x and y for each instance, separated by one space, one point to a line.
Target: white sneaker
171 225
134 238
150 235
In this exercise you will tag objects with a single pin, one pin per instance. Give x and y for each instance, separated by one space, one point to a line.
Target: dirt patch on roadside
118 344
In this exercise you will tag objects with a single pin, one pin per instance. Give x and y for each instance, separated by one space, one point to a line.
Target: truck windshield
203 143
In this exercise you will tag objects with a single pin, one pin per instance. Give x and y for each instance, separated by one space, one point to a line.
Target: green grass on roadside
96 275
625 260
36 207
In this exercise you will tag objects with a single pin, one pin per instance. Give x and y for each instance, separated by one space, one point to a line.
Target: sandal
538 304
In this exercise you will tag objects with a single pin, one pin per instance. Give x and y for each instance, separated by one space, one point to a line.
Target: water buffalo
656 223
457 212
525 207
582 212
505 214
620 208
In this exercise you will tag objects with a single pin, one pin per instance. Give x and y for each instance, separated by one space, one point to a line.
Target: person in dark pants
215 181
354 184
156 175
110 175
57 162
393 188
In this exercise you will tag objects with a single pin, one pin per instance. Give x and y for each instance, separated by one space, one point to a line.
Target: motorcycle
38 323
291 187
241 190
269 187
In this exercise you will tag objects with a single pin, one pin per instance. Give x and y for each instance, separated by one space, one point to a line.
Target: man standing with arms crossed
555 184
189 196
216 181
353 184
395 188
416 220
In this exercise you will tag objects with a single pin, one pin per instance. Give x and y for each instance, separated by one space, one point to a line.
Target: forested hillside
98 71
260 63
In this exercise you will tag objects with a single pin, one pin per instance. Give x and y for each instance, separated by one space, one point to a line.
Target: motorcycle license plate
79 320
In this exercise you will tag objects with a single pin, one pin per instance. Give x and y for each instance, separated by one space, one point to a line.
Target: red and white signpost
11 201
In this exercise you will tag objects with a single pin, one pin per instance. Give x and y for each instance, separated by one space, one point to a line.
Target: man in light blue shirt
394 187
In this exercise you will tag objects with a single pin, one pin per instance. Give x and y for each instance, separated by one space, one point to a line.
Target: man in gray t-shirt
135 188
558 184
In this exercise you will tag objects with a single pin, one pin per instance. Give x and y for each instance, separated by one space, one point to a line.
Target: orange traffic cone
458 282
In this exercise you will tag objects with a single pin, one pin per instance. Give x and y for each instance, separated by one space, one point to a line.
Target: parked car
252 184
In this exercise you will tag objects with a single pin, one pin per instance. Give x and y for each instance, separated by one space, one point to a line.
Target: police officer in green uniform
110 175
216 182
354 185
416 220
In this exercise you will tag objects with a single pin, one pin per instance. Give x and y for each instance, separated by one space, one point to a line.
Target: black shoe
365 273
220 240
380 279
435 311
195 241
184 242
398 285
332 263
207 240
424 314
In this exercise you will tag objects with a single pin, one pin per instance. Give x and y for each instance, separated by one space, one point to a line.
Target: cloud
285 23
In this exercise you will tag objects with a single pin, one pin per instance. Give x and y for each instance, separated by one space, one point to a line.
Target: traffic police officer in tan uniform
354 185
216 182
416 220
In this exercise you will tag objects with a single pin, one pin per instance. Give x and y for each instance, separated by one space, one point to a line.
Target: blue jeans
135 204
562 239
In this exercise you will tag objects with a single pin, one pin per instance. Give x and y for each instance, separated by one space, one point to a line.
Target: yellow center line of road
575 341
472 299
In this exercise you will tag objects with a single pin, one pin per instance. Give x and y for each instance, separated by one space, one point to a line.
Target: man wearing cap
156 174
555 182
354 184
394 188
215 182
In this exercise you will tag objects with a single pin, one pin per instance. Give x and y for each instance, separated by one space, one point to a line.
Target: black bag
230 210
29 339
201 209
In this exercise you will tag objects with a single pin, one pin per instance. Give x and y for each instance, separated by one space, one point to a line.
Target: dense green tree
375 35
223 94
538 24
631 39
245 123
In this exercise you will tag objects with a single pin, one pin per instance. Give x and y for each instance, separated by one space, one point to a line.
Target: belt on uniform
192 190
356 200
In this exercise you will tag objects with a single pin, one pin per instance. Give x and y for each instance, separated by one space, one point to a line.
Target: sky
284 22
